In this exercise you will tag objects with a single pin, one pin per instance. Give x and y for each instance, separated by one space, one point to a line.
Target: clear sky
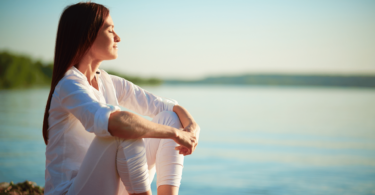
197 38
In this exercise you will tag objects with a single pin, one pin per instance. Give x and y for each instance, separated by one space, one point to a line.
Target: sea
261 140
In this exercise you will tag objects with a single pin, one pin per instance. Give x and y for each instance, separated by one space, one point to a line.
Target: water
254 140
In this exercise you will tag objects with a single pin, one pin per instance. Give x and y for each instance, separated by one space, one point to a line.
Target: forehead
108 22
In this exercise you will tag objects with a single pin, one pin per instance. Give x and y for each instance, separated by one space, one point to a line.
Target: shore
22 188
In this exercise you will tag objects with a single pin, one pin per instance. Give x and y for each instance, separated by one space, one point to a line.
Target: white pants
134 161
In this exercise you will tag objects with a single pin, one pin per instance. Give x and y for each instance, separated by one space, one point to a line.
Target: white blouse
78 112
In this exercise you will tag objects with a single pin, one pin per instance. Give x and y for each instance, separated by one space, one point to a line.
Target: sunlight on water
254 140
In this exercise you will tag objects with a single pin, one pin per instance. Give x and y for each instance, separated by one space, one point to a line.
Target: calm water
254 140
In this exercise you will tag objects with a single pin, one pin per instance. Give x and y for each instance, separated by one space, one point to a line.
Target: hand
195 129
187 141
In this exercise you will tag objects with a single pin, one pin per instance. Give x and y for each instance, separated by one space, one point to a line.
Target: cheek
102 46
101 42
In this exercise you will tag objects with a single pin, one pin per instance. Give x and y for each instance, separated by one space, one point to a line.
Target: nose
117 38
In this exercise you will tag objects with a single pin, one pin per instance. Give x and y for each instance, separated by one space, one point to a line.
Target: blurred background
284 91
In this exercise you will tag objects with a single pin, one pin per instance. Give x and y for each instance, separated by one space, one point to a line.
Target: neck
88 67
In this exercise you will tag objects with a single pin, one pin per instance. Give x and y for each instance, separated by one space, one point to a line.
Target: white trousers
113 164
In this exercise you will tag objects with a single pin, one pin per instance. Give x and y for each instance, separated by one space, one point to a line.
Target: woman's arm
106 121
139 100
127 125
189 125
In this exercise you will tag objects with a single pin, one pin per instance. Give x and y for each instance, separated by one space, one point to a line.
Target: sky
198 38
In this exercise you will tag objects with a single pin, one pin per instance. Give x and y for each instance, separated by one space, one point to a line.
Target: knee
167 114
167 118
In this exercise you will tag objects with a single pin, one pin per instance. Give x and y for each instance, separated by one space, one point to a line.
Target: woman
92 146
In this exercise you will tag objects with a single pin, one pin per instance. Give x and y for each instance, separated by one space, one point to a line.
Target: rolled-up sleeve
75 97
139 100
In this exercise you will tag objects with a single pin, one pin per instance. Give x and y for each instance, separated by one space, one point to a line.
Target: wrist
193 127
174 133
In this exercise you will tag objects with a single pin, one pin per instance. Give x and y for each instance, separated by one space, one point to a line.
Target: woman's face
105 44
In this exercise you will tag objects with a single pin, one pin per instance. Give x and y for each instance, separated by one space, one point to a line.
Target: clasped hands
188 139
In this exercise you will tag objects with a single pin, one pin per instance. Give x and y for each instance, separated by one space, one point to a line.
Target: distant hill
21 71
288 80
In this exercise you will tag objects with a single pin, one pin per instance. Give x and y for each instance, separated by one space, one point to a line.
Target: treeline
21 71
286 80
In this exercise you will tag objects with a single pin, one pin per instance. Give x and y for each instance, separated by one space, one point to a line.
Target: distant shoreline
284 80
21 72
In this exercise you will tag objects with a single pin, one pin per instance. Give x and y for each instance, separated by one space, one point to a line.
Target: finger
183 151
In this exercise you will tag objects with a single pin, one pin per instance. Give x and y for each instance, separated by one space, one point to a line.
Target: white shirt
78 112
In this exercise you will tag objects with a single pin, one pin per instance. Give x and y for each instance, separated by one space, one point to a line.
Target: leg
132 166
98 173
162 156
108 160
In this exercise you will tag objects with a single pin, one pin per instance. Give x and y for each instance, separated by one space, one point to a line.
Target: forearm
127 125
185 117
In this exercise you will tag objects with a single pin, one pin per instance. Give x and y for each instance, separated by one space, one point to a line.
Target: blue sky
197 38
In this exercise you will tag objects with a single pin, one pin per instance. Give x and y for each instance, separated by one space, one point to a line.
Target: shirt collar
74 71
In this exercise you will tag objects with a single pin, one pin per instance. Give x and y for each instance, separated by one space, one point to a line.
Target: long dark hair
78 27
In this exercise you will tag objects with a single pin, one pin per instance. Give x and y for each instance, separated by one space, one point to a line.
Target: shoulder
114 78
105 74
71 83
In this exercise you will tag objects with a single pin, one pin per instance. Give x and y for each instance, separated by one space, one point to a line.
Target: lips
115 46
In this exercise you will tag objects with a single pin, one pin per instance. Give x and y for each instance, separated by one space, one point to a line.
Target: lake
254 139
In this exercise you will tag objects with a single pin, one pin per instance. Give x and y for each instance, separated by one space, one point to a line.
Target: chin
112 57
